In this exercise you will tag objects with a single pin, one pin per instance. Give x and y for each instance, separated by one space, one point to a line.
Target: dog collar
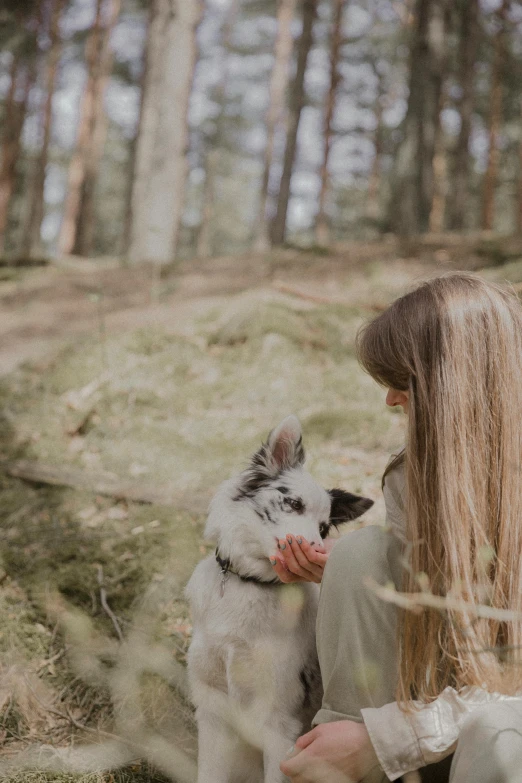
226 570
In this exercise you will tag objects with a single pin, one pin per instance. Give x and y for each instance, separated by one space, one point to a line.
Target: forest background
200 203
159 130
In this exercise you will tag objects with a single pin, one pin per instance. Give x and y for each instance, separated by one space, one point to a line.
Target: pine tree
495 120
413 175
77 228
322 226
297 99
276 110
161 167
31 241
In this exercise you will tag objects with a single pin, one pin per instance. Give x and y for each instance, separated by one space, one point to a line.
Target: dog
252 664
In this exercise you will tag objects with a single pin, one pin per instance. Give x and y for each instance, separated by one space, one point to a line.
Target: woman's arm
405 742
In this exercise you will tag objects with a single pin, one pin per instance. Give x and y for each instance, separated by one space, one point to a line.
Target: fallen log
309 296
99 483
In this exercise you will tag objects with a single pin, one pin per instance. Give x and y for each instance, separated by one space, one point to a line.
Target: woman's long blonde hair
455 343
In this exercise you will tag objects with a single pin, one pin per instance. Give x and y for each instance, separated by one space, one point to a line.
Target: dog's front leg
217 748
277 747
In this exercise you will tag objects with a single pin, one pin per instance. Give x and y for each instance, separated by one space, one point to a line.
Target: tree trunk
204 240
322 223
469 30
160 174
374 180
22 79
518 219
86 215
31 243
296 105
77 166
276 110
414 182
495 120
440 178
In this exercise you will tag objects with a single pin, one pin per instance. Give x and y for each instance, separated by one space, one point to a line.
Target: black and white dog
252 663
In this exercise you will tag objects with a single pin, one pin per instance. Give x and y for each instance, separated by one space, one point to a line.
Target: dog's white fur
252 663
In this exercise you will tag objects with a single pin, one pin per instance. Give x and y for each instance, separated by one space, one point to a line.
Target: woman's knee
489 748
486 722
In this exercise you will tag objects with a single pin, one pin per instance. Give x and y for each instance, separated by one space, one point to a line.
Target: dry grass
184 410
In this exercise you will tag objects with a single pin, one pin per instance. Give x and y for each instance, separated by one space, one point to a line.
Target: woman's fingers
282 572
304 740
291 562
297 560
312 554
295 552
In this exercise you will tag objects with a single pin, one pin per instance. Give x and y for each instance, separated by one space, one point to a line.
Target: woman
405 689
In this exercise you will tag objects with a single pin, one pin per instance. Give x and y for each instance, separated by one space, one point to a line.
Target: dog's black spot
324 529
309 679
259 514
346 506
267 515
251 484
283 490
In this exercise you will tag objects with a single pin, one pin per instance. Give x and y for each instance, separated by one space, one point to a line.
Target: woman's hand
298 561
331 753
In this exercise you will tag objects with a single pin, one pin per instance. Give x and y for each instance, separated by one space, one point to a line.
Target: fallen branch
417 601
99 483
378 307
318 298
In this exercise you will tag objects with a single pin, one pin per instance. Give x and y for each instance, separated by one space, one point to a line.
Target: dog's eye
295 504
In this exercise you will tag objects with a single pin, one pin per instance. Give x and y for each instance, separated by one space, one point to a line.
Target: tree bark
276 110
86 215
160 173
297 99
413 176
31 243
322 223
469 30
518 218
22 79
204 241
495 120
77 166
440 177
374 180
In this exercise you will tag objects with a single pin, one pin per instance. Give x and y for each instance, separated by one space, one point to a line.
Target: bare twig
105 605
51 660
318 298
416 601
76 398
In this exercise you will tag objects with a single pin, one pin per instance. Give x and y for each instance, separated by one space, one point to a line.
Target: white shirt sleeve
407 741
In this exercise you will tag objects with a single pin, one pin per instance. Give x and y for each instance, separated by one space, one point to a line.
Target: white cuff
393 739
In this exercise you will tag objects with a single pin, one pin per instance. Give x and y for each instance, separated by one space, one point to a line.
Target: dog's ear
344 507
283 450
285 444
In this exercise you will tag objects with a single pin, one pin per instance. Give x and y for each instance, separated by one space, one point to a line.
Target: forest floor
120 386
